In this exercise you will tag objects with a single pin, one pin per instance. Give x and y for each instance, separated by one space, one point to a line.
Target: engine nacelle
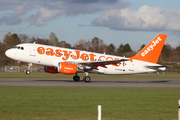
65 68
50 69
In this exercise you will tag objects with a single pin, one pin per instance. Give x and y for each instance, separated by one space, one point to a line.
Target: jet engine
65 68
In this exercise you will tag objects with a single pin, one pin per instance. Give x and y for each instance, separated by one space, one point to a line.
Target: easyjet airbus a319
71 61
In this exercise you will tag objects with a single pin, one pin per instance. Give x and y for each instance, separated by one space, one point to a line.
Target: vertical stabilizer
152 51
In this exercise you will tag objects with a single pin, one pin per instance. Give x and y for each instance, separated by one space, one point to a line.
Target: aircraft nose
8 53
13 54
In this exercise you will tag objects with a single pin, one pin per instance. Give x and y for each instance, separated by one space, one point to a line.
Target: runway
121 83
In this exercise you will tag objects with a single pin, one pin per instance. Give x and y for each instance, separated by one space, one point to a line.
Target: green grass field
53 103
62 103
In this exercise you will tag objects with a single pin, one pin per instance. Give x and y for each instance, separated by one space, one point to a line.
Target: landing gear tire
28 72
29 68
76 78
87 79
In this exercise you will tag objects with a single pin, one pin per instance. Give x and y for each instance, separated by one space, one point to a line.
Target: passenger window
22 48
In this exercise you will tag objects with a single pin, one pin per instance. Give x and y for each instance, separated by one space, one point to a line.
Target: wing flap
95 64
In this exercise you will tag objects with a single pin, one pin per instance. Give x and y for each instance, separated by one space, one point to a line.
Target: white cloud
43 16
145 19
115 14
18 8
51 9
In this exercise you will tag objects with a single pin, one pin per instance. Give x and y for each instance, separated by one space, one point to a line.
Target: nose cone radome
8 53
14 54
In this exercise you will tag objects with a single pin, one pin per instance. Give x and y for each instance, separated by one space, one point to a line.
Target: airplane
72 61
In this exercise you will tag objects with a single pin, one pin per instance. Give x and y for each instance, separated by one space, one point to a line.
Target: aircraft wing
95 64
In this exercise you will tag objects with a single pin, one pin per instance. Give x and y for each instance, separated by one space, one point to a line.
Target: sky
135 22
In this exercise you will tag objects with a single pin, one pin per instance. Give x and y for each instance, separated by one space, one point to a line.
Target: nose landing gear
28 72
29 68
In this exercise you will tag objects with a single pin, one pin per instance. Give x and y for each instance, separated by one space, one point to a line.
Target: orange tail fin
152 51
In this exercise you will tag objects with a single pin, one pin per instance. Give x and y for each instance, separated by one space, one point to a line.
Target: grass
61 103
53 103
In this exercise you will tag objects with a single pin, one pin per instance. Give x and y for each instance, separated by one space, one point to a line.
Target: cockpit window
19 47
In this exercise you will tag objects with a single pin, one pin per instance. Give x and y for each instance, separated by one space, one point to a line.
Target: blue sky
114 21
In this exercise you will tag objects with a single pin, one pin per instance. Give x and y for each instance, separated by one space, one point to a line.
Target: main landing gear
86 78
76 77
29 68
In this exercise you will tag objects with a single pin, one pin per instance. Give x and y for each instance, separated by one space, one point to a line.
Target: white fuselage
50 56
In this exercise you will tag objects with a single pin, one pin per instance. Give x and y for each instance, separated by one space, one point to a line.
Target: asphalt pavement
121 83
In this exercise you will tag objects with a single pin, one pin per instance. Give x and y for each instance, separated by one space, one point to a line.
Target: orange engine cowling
65 68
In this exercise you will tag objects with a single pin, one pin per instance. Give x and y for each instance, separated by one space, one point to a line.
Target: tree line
168 54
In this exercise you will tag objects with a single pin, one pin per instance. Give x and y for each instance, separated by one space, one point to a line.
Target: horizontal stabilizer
159 68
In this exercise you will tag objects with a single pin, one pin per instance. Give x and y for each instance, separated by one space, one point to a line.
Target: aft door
131 67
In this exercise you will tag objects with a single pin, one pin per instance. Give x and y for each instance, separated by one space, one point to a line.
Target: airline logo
151 47
67 68
76 55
